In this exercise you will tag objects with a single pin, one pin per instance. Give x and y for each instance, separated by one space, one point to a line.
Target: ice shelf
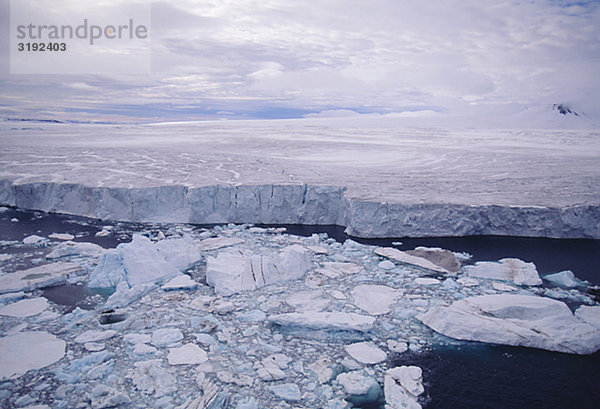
377 182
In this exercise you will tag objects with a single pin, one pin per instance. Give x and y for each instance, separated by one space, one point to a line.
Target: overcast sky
286 58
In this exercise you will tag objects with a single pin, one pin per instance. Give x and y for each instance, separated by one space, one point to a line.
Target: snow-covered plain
324 336
378 178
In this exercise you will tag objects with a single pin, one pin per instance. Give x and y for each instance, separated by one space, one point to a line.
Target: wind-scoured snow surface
377 181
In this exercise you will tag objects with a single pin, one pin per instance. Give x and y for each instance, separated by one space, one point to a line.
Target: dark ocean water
469 376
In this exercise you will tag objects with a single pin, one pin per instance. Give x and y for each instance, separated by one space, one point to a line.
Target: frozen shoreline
374 180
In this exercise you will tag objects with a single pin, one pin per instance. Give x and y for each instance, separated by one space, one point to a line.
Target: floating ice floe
33 239
24 351
406 258
188 354
360 388
330 321
38 277
182 282
366 353
589 314
507 269
375 299
25 308
402 386
518 320
234 272
565 279
142 261
71 248
61 236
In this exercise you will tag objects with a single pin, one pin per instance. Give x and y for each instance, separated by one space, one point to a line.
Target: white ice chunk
507 269
330 321
386 265
234 272
426 281
25 308
361 389
33 239
404 257
375 299
287 391
518 320
182 282
181 253
136 262
166 336
61 236
402 386
71 248
565 279
124 295
366 353
38 277
322 367
28 350
397 346
188 354
152 379
589 314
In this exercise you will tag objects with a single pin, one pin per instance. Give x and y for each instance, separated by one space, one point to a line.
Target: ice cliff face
302 204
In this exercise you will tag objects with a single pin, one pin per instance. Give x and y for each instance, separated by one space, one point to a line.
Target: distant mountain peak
564 109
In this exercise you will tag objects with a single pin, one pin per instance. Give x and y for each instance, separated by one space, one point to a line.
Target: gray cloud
382 55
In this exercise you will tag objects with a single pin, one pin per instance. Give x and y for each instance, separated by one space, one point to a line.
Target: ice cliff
301 204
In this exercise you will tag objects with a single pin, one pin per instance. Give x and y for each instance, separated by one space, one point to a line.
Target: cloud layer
276 58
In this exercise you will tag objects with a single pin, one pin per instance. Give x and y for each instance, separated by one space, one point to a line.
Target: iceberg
141 262
234 272
518 320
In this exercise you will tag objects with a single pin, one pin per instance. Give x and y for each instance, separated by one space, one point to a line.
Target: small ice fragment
366 353
188 354
361 389
565 279
61 236
375 299
182 282
166 336
33 239
288 391
426 281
